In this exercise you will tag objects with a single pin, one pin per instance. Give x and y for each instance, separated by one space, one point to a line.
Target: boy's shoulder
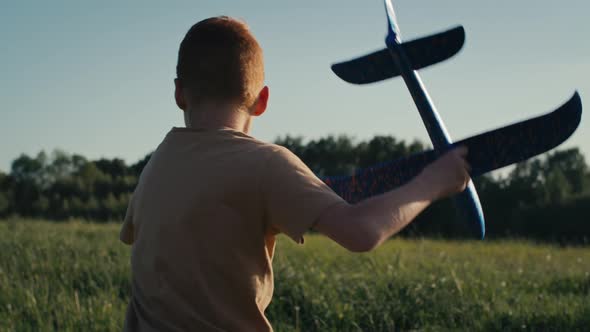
266 147
275 151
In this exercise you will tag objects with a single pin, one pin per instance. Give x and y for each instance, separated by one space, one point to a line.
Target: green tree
384 148
557 186
30 179
568 166
114 167
525 183
6 193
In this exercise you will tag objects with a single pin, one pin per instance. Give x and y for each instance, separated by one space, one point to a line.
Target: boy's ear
179 95
261 102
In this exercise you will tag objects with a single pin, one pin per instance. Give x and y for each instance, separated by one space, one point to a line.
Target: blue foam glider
487 151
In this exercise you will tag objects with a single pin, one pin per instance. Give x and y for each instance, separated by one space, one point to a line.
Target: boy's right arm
364 226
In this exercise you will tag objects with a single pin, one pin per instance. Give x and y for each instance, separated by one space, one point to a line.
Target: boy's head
219 62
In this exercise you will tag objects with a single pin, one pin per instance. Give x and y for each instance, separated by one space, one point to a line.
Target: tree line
546 198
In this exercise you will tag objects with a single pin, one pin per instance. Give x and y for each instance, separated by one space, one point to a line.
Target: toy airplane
487 151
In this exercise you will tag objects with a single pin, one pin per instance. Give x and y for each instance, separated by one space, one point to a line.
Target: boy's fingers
467 166
461 150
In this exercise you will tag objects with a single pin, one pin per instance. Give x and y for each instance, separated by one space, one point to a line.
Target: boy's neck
218 117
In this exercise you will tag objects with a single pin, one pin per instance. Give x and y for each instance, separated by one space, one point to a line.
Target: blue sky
96 78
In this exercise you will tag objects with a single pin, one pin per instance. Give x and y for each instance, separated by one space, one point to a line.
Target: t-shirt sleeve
294 197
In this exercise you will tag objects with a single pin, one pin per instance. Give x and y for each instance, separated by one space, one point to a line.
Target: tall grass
75 277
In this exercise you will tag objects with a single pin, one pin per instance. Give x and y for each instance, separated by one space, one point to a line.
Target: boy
209 203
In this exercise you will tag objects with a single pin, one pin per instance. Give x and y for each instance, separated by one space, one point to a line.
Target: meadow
75 277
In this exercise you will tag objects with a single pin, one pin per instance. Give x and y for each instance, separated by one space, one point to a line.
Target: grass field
75 277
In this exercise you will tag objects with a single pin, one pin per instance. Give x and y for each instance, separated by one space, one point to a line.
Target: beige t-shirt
203 221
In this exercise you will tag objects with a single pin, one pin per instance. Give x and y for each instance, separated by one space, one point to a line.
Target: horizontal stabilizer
421 52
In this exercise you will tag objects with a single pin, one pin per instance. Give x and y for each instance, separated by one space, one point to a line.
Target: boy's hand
365 225
447 175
